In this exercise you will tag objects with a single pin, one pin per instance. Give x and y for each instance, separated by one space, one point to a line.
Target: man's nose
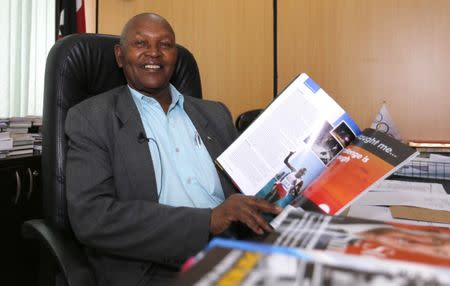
153 51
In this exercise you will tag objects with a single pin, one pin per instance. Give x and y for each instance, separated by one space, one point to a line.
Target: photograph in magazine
302 167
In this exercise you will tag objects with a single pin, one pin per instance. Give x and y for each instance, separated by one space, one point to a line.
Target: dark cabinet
20 200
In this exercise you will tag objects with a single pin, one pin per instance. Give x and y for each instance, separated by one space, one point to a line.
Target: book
305 149
6 144
22 136
22 147
430 146
232 262
20 152
4 135
17 130
429 143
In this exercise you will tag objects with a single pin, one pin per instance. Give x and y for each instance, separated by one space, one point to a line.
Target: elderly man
141 207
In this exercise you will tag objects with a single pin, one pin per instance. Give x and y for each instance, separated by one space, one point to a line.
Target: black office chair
246 118
78 66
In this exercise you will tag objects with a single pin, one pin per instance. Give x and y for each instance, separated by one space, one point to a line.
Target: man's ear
118 54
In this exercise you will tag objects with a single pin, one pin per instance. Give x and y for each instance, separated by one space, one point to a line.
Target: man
141 206
297 183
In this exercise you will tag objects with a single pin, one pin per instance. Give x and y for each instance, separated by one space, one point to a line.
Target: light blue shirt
185 173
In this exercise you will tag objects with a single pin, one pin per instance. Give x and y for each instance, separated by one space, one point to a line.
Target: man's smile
152 67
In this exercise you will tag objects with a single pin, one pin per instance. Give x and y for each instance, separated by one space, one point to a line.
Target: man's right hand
246 209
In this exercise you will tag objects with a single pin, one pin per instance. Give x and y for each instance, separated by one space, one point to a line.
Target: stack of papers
401 201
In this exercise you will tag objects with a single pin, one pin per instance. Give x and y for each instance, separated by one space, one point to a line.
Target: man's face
148 55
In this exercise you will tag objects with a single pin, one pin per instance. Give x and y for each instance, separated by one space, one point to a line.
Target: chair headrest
83 65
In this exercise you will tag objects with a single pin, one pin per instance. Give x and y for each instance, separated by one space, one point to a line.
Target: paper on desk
406 198
397 185
370 212
391 214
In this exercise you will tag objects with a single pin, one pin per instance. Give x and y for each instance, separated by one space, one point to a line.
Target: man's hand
246 209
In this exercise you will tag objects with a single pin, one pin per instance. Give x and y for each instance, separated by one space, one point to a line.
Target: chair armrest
68 253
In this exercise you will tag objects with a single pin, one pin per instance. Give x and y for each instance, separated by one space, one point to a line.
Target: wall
363 53
91 14
231 40
366 52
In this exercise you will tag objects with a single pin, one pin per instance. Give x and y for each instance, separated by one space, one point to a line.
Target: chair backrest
246 118
80 66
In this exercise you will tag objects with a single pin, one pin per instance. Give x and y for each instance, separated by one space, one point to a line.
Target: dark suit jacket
111 189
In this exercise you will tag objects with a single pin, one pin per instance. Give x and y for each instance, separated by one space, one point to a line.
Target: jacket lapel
134 153
208 135
210 139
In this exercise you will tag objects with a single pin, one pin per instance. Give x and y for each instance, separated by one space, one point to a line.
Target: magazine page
231 262
393 241
371 157
289 144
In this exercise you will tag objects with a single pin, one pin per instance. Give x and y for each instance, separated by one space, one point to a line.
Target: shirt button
189 180
177 150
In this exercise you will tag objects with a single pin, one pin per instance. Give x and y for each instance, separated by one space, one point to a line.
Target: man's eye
165 45
139 44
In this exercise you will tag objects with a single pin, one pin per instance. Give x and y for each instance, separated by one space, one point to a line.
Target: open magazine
301 136
315 249
387 240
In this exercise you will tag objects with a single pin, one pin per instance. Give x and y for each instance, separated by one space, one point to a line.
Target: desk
20 200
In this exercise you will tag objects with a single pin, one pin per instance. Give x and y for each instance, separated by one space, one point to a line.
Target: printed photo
343 134
298 171
324 145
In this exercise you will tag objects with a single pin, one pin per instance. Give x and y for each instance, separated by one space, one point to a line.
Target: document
405 198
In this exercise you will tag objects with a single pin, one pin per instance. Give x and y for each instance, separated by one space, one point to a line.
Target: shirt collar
177 97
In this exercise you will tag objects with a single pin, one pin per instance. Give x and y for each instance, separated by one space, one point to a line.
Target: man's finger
265 206
254 218
252 224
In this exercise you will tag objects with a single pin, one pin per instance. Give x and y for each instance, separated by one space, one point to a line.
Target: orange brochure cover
371 157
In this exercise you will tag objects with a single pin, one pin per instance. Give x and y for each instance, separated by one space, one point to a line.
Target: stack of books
22 140
36 132
20 136
6 143
22 144
19 125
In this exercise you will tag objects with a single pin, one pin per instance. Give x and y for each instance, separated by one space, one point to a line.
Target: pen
198 140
